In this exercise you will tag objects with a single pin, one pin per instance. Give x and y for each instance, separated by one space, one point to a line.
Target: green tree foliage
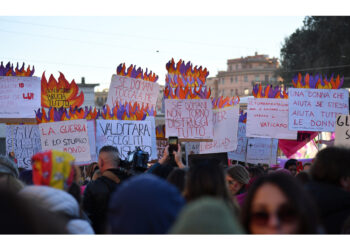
321 46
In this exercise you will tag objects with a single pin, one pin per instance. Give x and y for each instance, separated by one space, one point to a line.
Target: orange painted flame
269 92
222 102
184 74
127 111
136 73
60 94
62 114
9 71
317 82
160 131
187 93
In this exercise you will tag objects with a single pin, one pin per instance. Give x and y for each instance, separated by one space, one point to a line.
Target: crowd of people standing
57 197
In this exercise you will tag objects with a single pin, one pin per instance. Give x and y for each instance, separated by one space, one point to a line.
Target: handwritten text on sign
125 89
262 150
24 141
240 153
67 136
125 135
19 96
268 118
316 109
225 125
161 144
189 119
342 131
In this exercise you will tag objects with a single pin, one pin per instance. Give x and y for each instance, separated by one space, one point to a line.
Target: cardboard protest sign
316 109
268 118
225 126
240 153
161 144
125 135
19 96
262 150
189 119
24 141
154 155
342 131
60 93
91 129
67 136
126 89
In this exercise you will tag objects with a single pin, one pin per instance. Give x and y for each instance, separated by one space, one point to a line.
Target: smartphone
173 142
299 166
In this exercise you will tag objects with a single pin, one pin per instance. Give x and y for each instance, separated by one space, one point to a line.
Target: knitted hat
206 215
7 166
239 173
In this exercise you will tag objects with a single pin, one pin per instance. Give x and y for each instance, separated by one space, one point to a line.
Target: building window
222 80
231 92
230 68
231 79
257 78
245 78
237 66
266 78
236 78
223 92
236 92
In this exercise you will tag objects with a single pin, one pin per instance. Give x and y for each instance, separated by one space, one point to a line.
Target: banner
189 119
262 150
24 141
19 96
154 155
342 131
268 118
290 147
125 135
240 153
125 89
316 109
67 136
91 127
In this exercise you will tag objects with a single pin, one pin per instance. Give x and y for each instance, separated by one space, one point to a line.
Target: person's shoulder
96 185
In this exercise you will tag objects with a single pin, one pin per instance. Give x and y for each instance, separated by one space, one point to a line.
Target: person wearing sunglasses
278 204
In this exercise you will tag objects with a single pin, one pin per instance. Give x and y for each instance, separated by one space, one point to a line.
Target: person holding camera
97 193
171 159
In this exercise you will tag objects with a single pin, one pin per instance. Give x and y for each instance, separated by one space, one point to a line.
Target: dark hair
114 153
256 171
303 177
20 216
207 180
177 177
289 163
330 165
297 196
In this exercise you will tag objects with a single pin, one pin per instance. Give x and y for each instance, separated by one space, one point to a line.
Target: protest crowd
98 172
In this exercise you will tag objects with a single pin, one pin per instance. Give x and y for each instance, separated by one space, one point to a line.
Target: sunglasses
285 214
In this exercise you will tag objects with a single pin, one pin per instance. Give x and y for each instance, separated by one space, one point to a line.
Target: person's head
331 167
7 166
177 178
278 204
307 166
304 177
206 180
23 216
206 215
255 171
26 176
291 166
108 158
54 168
144 204
91 169
11 183
236 177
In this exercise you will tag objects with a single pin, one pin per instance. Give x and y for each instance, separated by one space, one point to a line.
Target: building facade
242 74
89 92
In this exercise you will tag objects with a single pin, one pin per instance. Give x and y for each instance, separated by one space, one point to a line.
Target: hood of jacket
144 204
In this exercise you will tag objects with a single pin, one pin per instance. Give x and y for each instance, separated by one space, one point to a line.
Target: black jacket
333 205
96 199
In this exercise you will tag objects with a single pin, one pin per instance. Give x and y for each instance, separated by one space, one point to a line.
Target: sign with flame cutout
269 92
132 86
317 82
61 93
9 71
119 112
185 82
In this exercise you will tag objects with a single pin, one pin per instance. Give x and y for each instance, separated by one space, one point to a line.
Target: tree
321 46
